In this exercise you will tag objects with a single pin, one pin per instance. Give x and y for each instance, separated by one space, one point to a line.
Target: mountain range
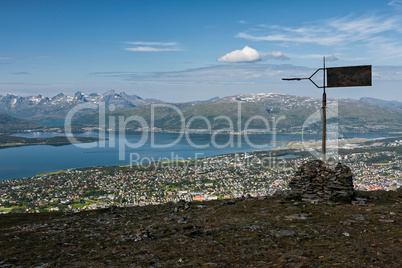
44 109
236 111
364 115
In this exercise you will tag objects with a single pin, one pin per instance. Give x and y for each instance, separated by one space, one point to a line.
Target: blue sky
194 50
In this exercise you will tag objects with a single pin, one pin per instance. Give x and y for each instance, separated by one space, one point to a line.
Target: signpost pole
324 119
351 76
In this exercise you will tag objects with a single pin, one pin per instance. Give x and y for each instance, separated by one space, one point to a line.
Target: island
13 141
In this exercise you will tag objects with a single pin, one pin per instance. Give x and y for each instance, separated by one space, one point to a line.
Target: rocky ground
247 232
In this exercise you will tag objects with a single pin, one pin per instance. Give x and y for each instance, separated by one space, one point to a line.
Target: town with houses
375 165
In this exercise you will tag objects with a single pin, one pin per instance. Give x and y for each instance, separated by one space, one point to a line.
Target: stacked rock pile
318 182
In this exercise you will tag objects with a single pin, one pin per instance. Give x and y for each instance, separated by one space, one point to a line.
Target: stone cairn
320 182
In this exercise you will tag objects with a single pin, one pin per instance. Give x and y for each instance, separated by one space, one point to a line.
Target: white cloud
26 57
247 54
379 35
396 3
329 32
141 46
150 49
276 55
248 76
219 74
141 43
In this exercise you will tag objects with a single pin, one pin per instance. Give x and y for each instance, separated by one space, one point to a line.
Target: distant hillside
224 113
202 101
389 104
9 124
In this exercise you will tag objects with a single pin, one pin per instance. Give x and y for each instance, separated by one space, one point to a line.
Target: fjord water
25 161
18 162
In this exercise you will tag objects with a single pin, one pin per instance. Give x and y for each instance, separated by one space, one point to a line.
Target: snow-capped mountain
274 102
41 109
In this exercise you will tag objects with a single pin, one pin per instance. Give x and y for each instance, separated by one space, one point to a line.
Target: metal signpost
351 76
